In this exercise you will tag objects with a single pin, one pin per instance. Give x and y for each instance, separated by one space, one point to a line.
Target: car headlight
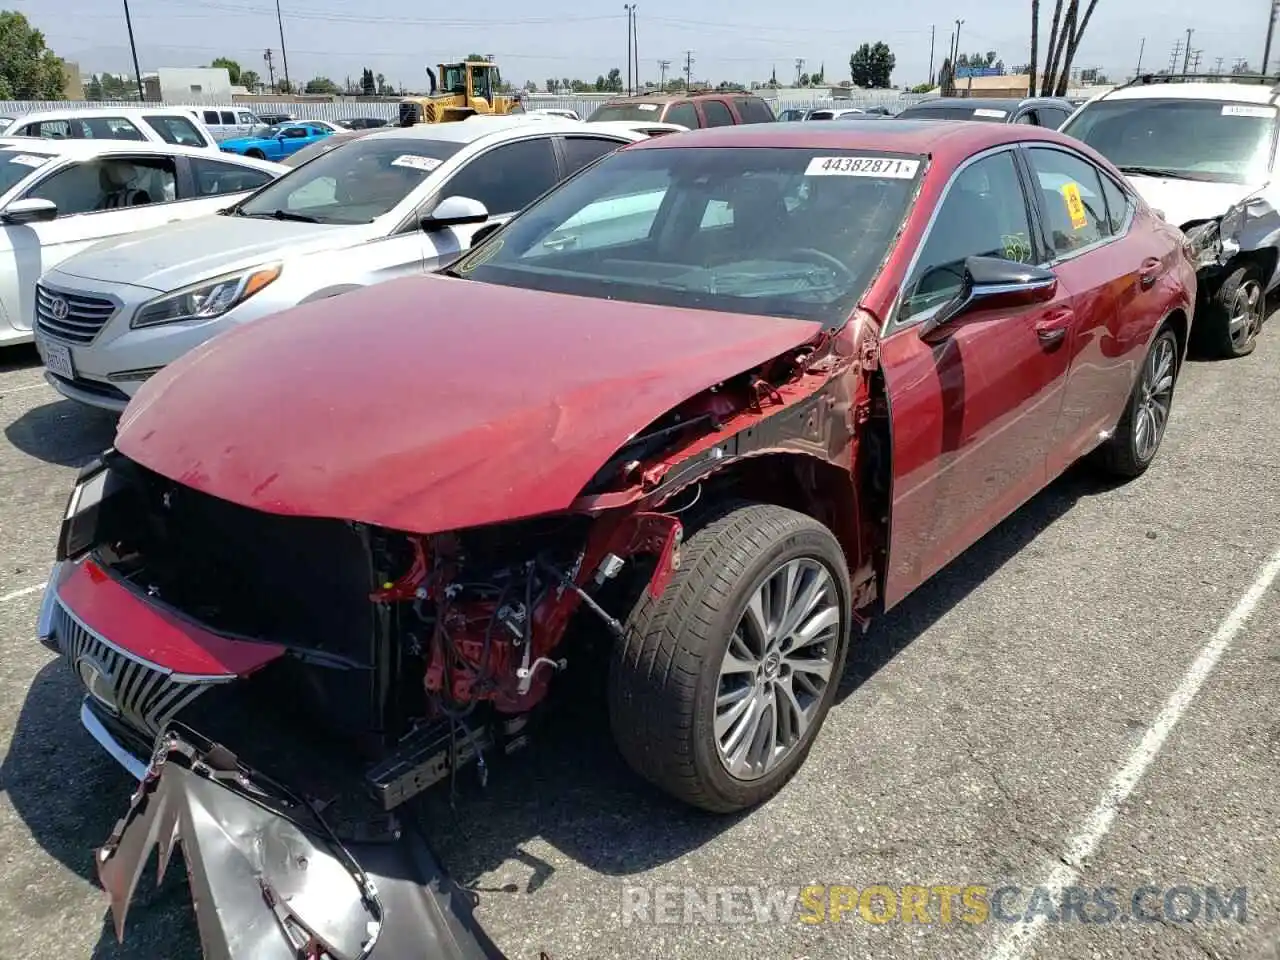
206 300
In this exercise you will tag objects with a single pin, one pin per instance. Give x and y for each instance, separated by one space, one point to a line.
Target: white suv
158 124
1201 149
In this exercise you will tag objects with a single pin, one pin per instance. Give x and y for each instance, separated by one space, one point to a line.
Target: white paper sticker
988 112
417 163
647 107
862 167
1248 110
28 160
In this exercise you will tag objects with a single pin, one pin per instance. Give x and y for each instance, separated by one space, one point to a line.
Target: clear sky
741 40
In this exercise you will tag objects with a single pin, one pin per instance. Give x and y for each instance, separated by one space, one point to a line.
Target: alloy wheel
1246 313
777 668
1155 399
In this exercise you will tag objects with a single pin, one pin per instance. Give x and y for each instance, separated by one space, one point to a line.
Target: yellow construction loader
464 90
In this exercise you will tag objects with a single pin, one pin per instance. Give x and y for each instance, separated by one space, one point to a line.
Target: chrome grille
85 315
143 696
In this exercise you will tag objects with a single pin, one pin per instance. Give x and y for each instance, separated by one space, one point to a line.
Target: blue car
278 141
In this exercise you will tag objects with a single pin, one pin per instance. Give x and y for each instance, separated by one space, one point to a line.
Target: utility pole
133 47
1195 61
955 54
1217 66
799 69
688 69
627 7
271 70
1186 54
662 73
1271 26
1142 45
931 31
284 54
1173 57
635 46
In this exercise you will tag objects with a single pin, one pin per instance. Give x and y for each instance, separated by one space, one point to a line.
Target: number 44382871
862 167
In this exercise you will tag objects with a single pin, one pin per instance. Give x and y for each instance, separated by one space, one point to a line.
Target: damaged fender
1249 225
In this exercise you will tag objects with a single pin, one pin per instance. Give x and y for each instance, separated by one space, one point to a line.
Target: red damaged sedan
708 404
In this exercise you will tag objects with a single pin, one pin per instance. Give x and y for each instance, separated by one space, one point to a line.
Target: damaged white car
1202 150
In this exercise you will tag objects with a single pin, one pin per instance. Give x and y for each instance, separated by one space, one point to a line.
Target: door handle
1150 272
1051 330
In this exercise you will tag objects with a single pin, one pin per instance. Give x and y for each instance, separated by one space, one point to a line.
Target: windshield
323 145
1209 140
266 131
626 111
771 231
356 183
957 112
18 163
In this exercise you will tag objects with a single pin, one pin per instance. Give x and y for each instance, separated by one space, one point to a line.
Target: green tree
232 68
552 85
28 69
321 85
871 66
804 80
367 84
284 86
93 89
476 56
380 84
613 82
250 80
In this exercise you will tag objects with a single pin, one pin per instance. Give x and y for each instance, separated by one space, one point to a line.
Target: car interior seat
116 179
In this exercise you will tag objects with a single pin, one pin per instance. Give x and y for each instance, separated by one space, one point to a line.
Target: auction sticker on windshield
28 160
988 112
417 163
1248 110
862 167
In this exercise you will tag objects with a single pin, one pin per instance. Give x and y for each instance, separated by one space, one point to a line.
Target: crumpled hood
175 254
1184 201
429 403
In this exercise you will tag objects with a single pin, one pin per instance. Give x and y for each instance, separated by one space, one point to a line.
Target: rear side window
228 118
579 151
176 130
1071 199
717 113
214 177
507 177
211 117
1119 206
753 110
683 114
1052 117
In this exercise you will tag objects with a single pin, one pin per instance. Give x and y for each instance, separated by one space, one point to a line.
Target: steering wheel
824 258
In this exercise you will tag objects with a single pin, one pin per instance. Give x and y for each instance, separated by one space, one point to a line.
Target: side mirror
485 232
993 282
454 212
33 210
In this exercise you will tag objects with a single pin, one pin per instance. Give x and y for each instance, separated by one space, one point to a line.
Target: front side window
507 178
984 214
683 114
717 114
176 130
770 231
112 183
1070 200
1209 140
1053 117
216 177
249 119
1030 118
84 128
358 182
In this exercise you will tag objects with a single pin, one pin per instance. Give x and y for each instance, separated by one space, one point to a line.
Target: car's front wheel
723 680
256 154
1236 311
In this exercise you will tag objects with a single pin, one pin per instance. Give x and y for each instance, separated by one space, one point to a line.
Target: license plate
57 358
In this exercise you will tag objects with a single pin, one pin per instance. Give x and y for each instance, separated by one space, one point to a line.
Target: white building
189 85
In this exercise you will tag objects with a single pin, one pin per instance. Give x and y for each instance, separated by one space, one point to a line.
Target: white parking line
1017 939
25 591
31 386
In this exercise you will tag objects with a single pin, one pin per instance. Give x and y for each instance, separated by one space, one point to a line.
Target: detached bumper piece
270 879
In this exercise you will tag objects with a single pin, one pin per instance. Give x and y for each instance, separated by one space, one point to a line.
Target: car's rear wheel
1236 311
1137 437
724 680
256 154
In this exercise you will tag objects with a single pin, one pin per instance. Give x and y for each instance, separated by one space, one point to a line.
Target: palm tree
1035 44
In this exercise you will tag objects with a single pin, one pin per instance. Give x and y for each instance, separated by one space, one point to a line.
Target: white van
158 124
225 123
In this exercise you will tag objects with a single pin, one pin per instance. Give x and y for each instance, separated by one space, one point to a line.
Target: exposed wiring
697 495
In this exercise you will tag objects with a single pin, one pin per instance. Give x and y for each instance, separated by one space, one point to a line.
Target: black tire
1124 455
664 677
256 154
1243 286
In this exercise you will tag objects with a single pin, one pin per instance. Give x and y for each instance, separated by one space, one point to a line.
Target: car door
245 122
292 139
1114 272
506 178
974 404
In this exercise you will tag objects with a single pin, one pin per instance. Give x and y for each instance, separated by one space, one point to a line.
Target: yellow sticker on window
1075 206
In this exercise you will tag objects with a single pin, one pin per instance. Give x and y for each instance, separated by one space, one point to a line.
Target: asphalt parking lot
1100 674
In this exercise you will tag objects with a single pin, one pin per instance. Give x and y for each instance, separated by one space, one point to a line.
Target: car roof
91 147
473 128
1195 90
71 113
987 103
946 139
